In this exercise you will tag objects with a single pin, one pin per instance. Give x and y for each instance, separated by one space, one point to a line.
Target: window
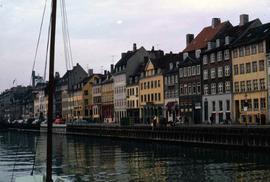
205 89
213 73
205 61
193 70
255 85
249 85
262 84
227 86
219 56
194 88
205 74
212 58
260 47
181 89
189 89
227 70
235 53
198 87
228 105
226 54
248 68
159 97
213 88
254 66
155 96
185 71
241 51
243 86
181 72
220 105
220 72
141 86
236 87
235 68
262 103
185 89
254 49
256 104
189 71
247 50
213 106
141 98
198 69
220 88
242 69
158 83
86 92
261 65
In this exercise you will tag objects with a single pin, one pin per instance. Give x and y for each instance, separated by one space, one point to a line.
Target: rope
38 41
47 50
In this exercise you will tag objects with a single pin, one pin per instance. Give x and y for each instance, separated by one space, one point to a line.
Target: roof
254 35
206 35
173 58
125 58
234 32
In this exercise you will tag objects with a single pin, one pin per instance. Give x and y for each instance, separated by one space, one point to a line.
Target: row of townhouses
222 75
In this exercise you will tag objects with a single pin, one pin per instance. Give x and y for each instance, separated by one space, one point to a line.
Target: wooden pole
51 93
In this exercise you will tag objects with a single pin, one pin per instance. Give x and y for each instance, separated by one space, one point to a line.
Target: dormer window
185 55
217 42
177 64
171 66
198 53
227 40
210 45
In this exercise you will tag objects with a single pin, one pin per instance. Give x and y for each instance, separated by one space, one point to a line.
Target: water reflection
97 159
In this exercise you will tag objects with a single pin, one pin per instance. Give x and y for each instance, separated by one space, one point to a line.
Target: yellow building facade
151 93
250 83
87 98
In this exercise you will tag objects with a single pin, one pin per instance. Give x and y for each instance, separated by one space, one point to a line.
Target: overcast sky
101 29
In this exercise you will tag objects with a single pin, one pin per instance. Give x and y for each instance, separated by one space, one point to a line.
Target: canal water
98 159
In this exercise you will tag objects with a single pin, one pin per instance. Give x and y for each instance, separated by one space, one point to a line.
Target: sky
101 30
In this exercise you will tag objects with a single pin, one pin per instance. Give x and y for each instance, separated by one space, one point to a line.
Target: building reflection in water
99 159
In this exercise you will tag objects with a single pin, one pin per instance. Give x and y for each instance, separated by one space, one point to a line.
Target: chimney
189 38
153 48
105 72
123 54
243 19
90 72
112 68
34 78
215 22
134 47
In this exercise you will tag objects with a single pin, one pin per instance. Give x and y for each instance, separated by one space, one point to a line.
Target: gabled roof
190 60
254 35
206 35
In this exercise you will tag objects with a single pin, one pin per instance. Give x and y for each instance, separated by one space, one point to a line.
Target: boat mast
51 93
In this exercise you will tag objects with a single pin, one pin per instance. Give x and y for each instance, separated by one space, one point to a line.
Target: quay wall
227 136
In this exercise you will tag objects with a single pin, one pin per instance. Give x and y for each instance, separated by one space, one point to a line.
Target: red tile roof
207 34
